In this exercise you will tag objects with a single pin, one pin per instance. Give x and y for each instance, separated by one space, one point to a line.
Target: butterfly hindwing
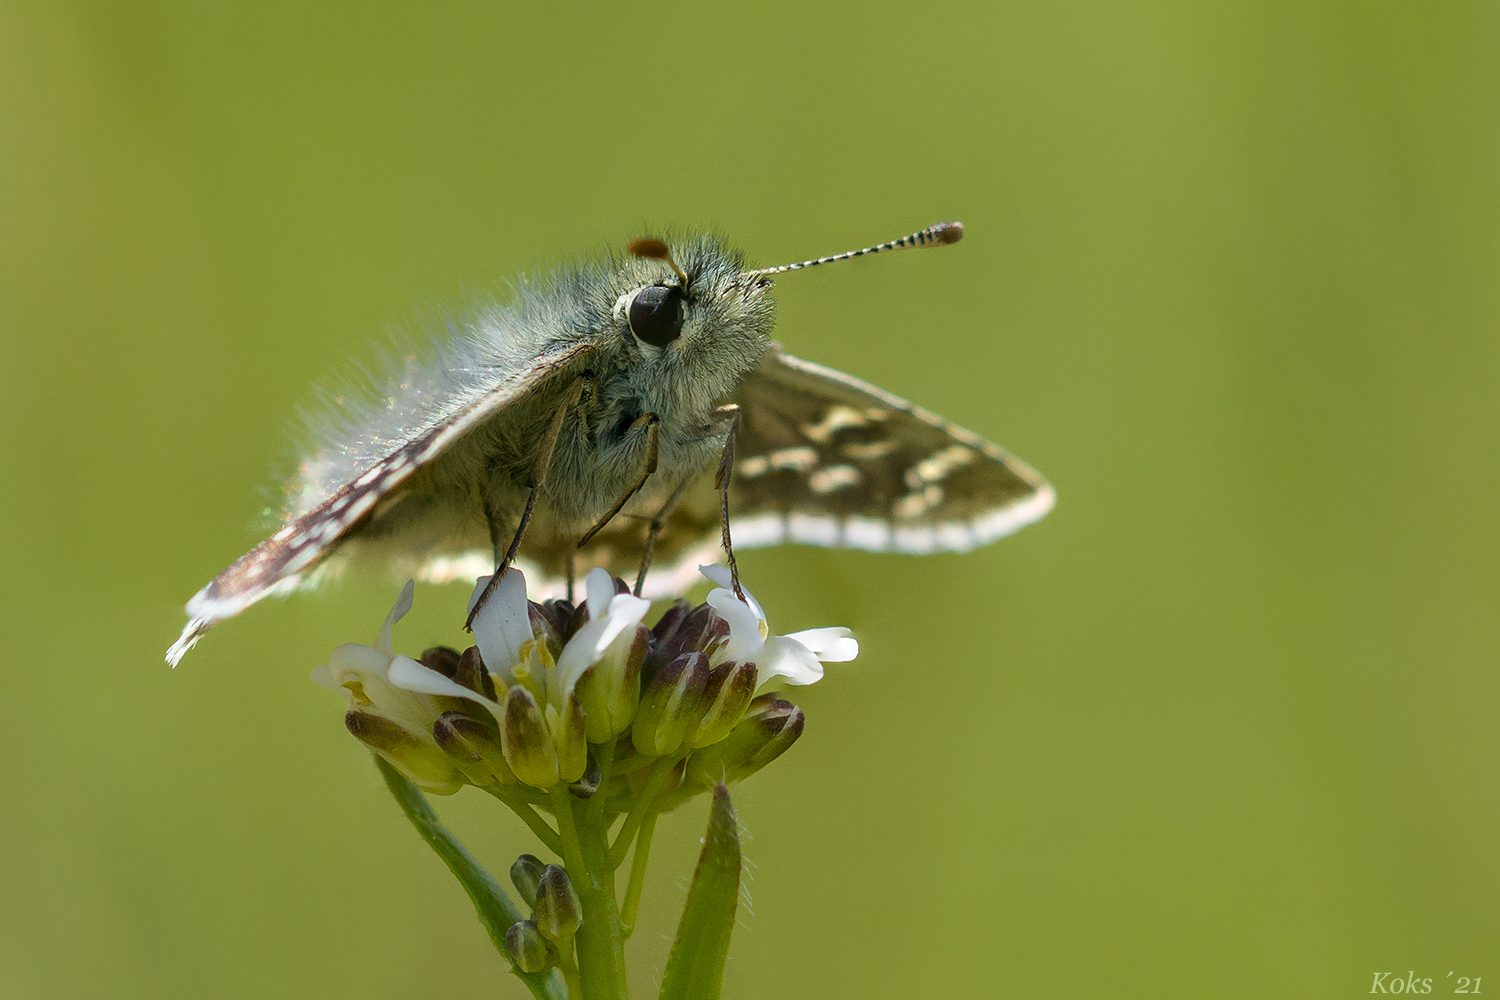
826 459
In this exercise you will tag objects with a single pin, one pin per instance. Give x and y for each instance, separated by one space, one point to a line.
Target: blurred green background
1223 724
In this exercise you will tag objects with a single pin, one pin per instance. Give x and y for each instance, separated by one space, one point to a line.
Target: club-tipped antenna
937 235
652 248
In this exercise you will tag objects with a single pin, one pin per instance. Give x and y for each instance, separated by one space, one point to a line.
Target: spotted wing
826 459
278 563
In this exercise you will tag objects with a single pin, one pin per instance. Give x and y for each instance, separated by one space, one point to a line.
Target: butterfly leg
729 413
657 523
535 481
650 422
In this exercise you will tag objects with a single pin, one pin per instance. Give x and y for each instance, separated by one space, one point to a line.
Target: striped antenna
940 234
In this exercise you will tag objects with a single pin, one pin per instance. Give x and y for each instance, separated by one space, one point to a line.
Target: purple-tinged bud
545 628
667 705
586 786
768 729
443 659
577 620
475 745
472 675
526 741
417 758
610 689
725 697
671 620
557 615
558 912
688 635
526 947
526 876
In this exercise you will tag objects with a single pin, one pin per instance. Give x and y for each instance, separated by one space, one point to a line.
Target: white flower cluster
545 682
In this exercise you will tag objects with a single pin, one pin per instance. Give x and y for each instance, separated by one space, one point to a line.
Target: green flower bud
725 697
526 947
568 736
419 759
526 742
768 729
610 689
668 705
558 911
526 876
475 745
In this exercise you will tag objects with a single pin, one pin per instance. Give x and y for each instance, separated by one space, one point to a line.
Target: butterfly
631 413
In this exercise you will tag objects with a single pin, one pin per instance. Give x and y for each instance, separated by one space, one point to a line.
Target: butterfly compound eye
656 315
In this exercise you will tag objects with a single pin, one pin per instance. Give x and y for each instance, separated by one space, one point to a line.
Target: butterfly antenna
652 248
938 235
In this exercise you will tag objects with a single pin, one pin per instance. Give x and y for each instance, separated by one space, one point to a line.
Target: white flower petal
719 573
403 605
581 652
357 661
786 657
503 623
589 643
831 645
600 587
625 613
409 675
744 642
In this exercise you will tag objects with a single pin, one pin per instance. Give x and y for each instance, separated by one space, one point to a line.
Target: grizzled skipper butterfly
579 424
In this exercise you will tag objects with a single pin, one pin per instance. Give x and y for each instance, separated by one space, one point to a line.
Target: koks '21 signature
1391 982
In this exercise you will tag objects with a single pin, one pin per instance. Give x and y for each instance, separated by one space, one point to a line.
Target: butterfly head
688 310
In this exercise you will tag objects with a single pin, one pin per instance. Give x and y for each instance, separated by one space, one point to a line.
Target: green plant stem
539 826
660 771
638 873
493 905
600 939
569 970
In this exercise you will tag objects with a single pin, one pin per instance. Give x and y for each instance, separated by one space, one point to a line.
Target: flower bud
694 630
768 729
666 626
417 758
471 674
586 786
475 745
526 742
558 912
578 617
610 689
526 876
545 626
526 947
443 659
667 705
568 728
725 697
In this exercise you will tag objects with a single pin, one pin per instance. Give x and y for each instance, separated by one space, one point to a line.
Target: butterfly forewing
278 563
